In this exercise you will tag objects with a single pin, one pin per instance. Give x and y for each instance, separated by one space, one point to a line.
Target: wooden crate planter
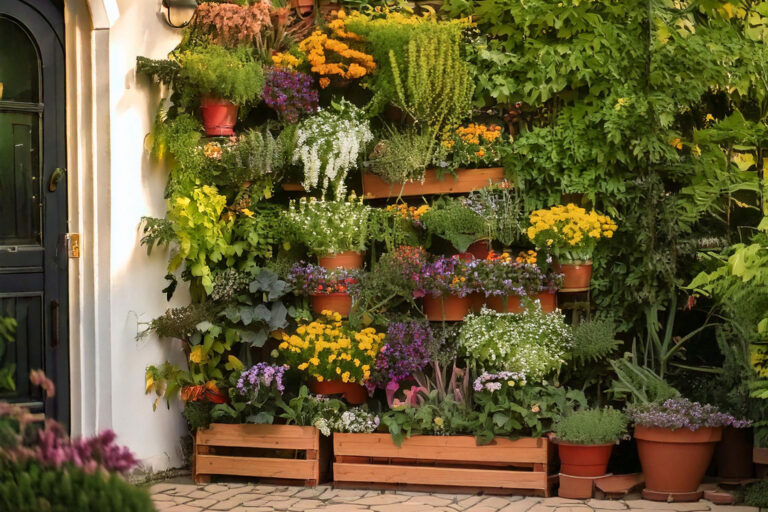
445 461
465 180
284 452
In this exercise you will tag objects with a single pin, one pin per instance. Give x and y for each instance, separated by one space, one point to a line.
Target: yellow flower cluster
408 212
328 56
285 60
327 349
569 230
475 133
527 257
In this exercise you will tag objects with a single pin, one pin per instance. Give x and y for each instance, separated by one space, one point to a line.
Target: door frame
44 23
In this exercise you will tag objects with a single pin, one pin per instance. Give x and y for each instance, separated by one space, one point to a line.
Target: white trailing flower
531 343
328 145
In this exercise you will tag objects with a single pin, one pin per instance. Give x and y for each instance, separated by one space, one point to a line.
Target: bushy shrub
756 494
30 487
592 426
233 75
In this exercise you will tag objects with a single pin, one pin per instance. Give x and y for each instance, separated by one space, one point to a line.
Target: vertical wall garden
494 219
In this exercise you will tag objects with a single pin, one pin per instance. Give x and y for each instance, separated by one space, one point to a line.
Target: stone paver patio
182 495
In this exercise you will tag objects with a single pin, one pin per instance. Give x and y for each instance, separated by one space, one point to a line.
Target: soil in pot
674 461
584 460
219 116
341 303
733 454
576 276
448 308
352 392
349 260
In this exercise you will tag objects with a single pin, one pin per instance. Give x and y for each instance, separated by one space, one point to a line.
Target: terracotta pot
480 249
674 461
303 6
448 308
576 275
349 260
341 303
476 302
506 304
465 180
584 459
733 454
548 301
352 392
219 116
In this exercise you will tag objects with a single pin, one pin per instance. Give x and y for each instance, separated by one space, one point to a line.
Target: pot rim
342 253
580 445
681 435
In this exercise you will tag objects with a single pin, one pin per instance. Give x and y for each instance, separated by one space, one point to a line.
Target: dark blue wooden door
33 205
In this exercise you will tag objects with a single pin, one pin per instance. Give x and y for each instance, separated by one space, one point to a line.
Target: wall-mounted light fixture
179 12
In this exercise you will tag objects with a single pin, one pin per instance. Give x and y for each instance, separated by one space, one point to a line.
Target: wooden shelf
465 180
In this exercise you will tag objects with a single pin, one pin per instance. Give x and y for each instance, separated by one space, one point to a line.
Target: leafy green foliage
7 370
756 494
304 409
29 487
454 221
231 74
593 340
403 156
637 384
592 426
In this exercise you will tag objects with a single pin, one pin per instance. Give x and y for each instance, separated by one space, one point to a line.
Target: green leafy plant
403 156
328 227
231 74
502 208
637 384
756 494
455 221
30 487
305 409
593 340
592 426
7 370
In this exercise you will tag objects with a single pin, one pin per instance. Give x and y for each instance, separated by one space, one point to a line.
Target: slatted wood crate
444 461
465 180
284 452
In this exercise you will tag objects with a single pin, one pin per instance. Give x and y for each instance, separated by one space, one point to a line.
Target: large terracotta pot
219 116
548 301
674 461
303 6
341 303
576 276
349 260
480 249
733 454
584 459
448 308
352 392
505 304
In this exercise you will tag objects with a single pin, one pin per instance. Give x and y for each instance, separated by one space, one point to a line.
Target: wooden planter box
445 461
465 180
284 452
760 455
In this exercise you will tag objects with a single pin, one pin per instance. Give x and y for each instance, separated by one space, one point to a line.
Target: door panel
33 219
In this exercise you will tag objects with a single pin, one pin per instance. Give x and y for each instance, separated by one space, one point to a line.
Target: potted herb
570 233
225 79
586 438
336 231
452 220
444 285
329 289
676 440
335 358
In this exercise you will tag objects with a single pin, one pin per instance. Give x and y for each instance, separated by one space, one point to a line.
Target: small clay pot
349 260
584 459
340 303
576 276
352 392
447 308
219 116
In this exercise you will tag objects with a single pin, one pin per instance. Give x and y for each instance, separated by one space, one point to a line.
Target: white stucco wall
136 280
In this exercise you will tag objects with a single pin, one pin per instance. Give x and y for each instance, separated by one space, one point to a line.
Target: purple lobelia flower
290 93
405 353
676 413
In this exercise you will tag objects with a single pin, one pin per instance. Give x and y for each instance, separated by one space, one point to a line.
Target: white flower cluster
531 343
355 421
328 144
328 227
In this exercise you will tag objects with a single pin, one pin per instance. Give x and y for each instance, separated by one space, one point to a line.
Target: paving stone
521 505
606 504
306 505
404 507
468 502
283 504
225 505
183 489
241 508
733 508
381 499
540 507
430 499
495 502
162 497
183 508
162 506
310 493
215 488
662 505
203 503
161 487
339 507
198 494
180 499
559 502
574 508
481 508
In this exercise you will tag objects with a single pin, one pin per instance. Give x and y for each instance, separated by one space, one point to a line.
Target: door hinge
73 245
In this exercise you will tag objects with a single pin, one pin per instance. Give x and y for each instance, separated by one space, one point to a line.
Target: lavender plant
676 413
405 353
290 94
263 386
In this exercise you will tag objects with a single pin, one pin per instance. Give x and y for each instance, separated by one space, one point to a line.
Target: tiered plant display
352 305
